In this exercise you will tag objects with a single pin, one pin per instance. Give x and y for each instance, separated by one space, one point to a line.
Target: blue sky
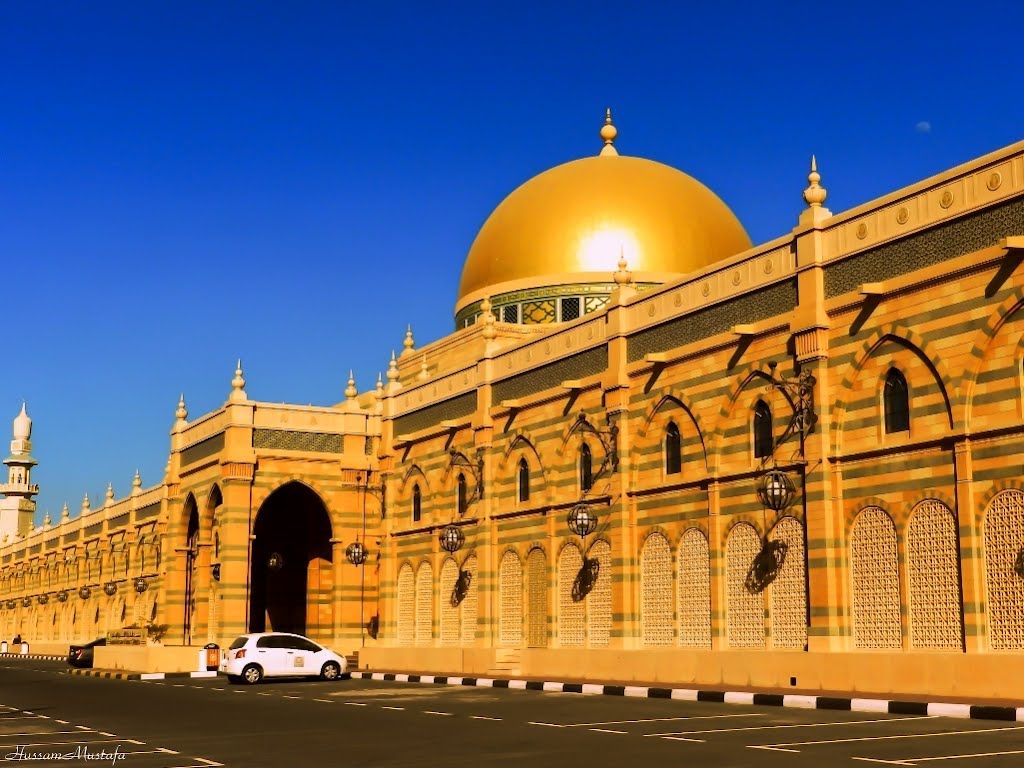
185 183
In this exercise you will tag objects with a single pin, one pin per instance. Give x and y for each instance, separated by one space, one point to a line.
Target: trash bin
3 646
24 648
212 657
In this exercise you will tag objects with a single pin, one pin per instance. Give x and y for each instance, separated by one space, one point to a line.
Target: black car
81 655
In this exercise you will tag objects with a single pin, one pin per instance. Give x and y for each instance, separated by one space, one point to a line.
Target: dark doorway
291 576
191 556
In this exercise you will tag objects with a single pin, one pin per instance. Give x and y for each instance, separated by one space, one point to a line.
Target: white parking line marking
165 750
62 722
778 747
483 717
397 709
606 730
287 697
325 701
208 762
135 742
177 685
788 725
877 760
236 690
215 688
652 720
258 693
83 727
104 733
356 703
432 712
916 760
549 725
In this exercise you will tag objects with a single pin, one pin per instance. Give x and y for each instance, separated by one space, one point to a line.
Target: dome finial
181 412
392 368
424 371
408 343
350 390
608 133
623 276
238 385
815 194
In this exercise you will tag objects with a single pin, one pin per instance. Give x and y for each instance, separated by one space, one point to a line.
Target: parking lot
373 723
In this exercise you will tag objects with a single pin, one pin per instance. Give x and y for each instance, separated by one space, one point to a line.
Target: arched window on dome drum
896 398
463 499
417 503
586 469
524 481
673 450
763 438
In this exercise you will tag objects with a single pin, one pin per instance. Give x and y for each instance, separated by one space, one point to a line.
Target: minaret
18 506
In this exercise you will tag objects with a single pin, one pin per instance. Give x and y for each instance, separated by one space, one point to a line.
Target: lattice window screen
449 614
694 591
789 590
469 602
599 601
745 610
571 633
936 619
656 592
876 585
537 594
510 596
424 604
406 605
1004 537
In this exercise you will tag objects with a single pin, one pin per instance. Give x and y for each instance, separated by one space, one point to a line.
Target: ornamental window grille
449 613
763 437
673 450
417 503
745 610
524 481
896 399
586 469
570 308
510 600
936 619
1004 538
462 498
876 585
571 632
406 605
424 604
656 592
789 589
469 603
537 599
599 601
510 313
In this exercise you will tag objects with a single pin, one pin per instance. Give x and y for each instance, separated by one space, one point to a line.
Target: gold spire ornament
393 368
85 504
623 276
608 134
815 194
408 343
136 483
110 494
424 373
65 513
181 413
350 390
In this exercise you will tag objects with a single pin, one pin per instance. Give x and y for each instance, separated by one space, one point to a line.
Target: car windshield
239 642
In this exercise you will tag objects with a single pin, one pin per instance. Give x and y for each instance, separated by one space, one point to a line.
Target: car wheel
330 671
252 674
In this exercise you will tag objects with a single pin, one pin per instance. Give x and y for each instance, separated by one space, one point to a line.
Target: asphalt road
299 724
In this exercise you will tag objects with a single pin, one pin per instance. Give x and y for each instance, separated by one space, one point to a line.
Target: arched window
763 438
586 469
897 402
673 450
524 480
463 500
417 503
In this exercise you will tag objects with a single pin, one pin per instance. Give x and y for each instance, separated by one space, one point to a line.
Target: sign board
126 636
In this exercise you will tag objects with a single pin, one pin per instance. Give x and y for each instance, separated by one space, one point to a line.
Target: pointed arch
728 415
667 406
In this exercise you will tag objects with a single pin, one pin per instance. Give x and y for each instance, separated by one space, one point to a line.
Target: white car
278 654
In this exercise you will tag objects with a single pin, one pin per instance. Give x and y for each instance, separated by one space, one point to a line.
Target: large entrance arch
191 558
290 572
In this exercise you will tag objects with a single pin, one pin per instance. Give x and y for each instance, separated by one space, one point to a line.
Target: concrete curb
885 706
33 656
110 675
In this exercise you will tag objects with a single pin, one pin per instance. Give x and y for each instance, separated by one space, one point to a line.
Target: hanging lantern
275 562
110 588
775 490
84 593
141 585
452 538
27 602
44 599
11 604
356 553
582 521
62 596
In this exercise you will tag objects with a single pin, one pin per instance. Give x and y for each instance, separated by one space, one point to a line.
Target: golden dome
572 223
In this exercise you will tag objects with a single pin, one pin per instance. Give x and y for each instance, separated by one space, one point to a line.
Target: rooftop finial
85 504
608 133
350 390
380 386
623 276
65 513
815 194
181 413
393 368
110 493
487 316
136 482
238 385
46 521
22 424
408 343
424 373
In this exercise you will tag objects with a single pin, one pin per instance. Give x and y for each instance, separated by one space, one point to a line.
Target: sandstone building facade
621 348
